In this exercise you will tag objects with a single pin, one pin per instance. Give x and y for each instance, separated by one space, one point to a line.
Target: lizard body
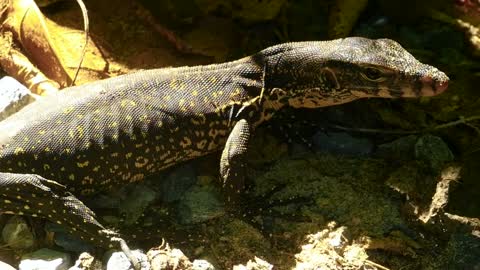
100 135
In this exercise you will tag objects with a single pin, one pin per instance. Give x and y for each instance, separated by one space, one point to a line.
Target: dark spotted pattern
101 135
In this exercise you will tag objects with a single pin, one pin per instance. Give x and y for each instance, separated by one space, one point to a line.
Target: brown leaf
28 26
18 66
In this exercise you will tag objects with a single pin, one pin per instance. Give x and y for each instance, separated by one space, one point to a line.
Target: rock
200 204
13 97
202 265
67 241
399 149
45 259
165 258
461 252
176 183
6 266
114 221
428 148
257 264
117 260
433 150
17 234
137 200
330 249
86 261
341 143
110 200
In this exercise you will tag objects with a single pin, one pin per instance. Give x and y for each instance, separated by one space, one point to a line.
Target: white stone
13 96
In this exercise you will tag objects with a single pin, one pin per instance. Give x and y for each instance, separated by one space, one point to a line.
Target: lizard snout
441 86
432 87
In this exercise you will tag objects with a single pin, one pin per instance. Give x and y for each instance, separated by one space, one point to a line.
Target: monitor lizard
101 135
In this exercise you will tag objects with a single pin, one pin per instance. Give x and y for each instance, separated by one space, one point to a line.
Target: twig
372 130
461 120
371 263
86 30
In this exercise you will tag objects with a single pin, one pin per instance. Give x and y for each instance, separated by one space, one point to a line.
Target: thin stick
86 30
462 120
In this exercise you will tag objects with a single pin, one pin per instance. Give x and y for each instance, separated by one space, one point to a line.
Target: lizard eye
373 74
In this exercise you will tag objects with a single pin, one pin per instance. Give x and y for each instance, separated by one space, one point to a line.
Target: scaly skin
104 134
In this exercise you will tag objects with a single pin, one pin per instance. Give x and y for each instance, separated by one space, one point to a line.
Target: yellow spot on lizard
185 142
80 131
68 110
127 102
201 144
173 83
140 162
83 164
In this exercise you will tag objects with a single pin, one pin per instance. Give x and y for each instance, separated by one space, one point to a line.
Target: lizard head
324 73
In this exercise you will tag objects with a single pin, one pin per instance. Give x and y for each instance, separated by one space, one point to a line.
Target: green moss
218 45
237 242
344 15
265 148
346 190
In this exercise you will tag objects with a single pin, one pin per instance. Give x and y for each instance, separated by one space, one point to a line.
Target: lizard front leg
233 159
